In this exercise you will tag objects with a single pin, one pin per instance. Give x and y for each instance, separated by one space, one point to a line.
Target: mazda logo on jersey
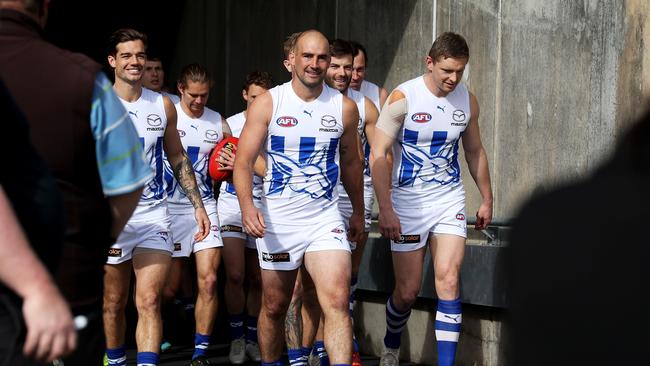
181 133
154 120
286 121
211 134
458 115
275 257
421 117
328 121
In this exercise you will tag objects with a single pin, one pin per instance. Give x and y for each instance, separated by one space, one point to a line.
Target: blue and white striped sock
147 359
201 343
116 356
296 357
395 322
448 320
236 326
320 351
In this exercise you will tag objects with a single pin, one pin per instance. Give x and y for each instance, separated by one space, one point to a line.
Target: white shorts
142 234
345 208
231 224
418 222
184 227
283 246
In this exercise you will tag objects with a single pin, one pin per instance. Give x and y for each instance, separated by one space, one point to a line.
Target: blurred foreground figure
577 291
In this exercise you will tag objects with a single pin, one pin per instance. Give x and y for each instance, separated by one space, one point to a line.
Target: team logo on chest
286 121
155 123
328 122
211 136
459 118
421 117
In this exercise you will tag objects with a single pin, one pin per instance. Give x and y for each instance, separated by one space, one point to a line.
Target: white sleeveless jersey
371 91
425 167
173 97
227 194
149 118
198 136
302 156
360 101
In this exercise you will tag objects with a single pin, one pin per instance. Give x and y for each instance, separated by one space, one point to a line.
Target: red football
230 144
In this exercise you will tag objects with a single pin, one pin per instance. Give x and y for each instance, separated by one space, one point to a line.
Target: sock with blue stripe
147 359
448 319
395 322
201 343
297 357
251 329
321 353
236 326
116 356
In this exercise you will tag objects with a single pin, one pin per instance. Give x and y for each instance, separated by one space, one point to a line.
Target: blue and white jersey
371 91
198 136
360 100
227 194
425 167
302 156
149 118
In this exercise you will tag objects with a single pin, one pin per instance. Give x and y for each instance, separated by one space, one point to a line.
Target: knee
447 279
275 307
335 299
169 292
208 285
148 302
235 278
113 303
405 296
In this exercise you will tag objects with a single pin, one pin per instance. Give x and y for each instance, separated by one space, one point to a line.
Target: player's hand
389 225
253 221
50 329
355 228
203 223
226 159
483 216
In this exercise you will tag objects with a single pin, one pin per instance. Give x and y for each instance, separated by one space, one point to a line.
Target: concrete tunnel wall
557 81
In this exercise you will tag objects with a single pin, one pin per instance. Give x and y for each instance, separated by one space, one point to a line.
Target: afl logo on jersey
421 117
181 133
460 216
286 121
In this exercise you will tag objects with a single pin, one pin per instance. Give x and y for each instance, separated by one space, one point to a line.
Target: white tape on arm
391 117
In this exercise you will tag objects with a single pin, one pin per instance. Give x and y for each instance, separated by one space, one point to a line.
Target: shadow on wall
85 26
233 38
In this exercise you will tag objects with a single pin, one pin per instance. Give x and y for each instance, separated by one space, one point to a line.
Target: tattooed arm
183 170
